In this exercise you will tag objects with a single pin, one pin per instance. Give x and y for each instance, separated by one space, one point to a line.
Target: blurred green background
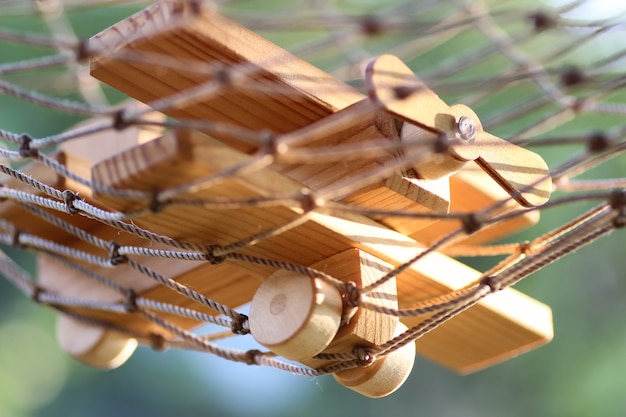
581 373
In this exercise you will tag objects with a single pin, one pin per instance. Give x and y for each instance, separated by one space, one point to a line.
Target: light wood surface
503 325
385 375
268 88
514 324
365 327
295 316
92 345
522 173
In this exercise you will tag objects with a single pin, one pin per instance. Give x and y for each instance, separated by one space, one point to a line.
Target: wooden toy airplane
190 63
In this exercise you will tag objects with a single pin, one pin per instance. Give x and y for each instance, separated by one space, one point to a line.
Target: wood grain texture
295 316
480 198
95 346
322 236
505 324
385 375
267 88
521 172
22 219
365 327
174 47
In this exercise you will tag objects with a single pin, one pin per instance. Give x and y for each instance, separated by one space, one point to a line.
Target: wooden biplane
191 64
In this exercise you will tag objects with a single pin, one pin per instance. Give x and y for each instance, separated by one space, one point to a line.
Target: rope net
541 77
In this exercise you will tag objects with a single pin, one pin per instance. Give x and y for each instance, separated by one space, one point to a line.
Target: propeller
522 173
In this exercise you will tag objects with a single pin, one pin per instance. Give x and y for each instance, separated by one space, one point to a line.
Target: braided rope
557 98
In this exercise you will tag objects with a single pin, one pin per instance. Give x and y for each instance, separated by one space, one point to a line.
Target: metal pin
466 128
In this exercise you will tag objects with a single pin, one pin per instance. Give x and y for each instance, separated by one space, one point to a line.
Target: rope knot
119 120
25 150
130 301
541 20
364 356
82 50
212 258
269 144
598 142
309 201
251 357
35 294
238 324
620 221
490 281
158 342
372 25
155 205
572 76
15 238
471 223
68 198
351 295
114 255
525 247
617 200
222 75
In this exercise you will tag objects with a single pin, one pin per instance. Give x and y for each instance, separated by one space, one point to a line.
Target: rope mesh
510 63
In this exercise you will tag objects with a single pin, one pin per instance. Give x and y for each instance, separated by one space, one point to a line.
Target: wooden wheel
295 316
93 345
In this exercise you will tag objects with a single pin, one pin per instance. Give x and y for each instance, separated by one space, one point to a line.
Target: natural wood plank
366 327
268 89
481 197
521 172
275 86
21 219
234 284
325 235
385 375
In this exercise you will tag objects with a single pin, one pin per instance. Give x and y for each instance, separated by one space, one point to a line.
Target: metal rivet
466 128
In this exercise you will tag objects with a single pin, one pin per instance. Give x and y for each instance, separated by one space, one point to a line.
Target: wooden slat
22 219
362 269
269 89
317 239
275 87
272 89
508 322
481 197
523 173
